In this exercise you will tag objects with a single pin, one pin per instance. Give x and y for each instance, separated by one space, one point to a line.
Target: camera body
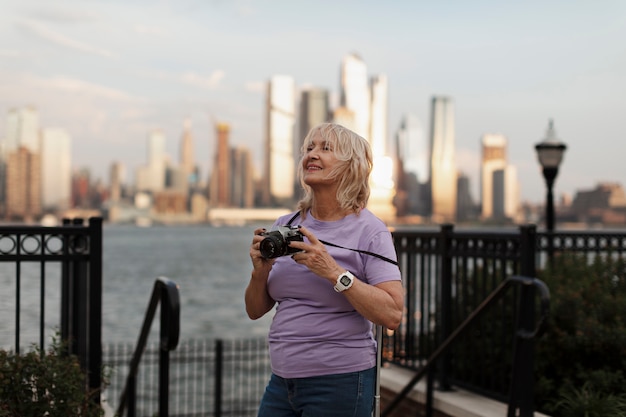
276 242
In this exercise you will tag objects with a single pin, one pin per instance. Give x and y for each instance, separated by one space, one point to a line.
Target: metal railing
165 293
70 256
521 368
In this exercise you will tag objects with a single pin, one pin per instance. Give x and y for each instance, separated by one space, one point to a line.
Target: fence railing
207 377
66 260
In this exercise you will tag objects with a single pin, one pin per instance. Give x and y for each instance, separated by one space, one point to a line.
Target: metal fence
212 377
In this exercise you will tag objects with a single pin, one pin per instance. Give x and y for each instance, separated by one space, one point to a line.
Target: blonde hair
352 173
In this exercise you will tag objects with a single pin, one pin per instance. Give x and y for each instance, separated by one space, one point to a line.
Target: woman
322 351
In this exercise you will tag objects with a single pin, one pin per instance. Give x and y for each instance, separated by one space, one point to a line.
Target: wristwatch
344 281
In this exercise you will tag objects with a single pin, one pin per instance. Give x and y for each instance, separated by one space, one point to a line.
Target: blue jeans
340 395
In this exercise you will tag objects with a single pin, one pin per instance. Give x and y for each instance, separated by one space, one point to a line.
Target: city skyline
110 73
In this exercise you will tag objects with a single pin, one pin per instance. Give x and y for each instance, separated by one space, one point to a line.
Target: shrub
42 383
581 359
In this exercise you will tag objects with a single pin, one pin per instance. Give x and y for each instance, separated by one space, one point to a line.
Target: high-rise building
221 177
412 148
242 174
22 164
151 177
493 159
381 180
56 169
355 92
278 189
187 162
443 174
505 200
117 174
22 129
499 186
314 109
23 179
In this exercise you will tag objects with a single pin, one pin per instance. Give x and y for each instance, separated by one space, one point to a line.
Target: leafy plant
42 383
581 359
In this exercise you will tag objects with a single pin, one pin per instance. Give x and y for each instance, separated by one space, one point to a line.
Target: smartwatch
344 281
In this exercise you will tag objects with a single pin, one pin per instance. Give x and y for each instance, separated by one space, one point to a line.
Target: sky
110 71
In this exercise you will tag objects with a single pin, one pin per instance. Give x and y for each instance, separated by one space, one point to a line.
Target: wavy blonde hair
352 173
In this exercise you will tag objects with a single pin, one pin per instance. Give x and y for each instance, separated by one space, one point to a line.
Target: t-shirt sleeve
379 270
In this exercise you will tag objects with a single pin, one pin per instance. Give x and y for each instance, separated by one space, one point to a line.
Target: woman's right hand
259 263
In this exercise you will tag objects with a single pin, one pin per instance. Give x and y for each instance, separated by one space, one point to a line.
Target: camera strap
376 255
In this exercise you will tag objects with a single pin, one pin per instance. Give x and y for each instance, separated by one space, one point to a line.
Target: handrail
494 296
166 292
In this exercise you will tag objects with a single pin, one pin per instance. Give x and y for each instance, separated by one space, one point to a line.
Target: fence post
95 307
445 306
521 394
219 359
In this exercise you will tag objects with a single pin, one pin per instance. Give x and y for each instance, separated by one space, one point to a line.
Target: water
211 265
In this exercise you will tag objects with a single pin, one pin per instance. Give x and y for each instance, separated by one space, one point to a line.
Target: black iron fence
65 261
447 273
210 377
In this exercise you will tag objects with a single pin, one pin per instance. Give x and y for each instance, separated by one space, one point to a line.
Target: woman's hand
259 263
381 304
316 257
258 301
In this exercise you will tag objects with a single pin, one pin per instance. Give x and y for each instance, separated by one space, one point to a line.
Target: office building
278 188
220 179
443 173
355 92
56 169
242 178
493 159
23 190
187 155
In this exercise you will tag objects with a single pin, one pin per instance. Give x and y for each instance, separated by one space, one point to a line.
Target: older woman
340 278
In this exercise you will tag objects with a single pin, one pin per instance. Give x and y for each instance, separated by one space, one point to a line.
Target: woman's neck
329 212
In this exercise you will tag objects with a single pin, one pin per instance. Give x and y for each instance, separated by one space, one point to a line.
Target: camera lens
271 247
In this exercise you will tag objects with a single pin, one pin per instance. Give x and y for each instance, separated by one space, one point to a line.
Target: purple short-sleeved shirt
315 330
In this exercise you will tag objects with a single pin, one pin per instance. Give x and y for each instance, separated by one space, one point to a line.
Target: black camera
276 242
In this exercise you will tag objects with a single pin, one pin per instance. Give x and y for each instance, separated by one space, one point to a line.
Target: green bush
581 359
44 384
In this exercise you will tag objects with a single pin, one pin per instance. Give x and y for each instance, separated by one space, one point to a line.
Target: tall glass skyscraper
279 142
56 169
443 173
355 92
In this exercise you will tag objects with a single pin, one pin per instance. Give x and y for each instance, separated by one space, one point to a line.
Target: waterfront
210 264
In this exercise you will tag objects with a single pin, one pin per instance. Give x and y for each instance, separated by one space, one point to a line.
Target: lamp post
550 154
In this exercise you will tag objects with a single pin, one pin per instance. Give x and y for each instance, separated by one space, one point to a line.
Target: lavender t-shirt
315 330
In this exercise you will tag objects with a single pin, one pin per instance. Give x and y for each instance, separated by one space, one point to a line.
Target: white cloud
56 38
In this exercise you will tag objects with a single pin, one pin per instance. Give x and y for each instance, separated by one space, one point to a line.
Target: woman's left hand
316 257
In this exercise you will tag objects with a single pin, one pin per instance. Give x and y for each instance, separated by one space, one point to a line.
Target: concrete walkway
457 403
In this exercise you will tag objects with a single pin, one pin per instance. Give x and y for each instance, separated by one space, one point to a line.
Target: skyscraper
151 177
242 183
220 180
187 162
499 184
314 109
22 164
355 92
278 189
443 174
23 178
493 159
56 169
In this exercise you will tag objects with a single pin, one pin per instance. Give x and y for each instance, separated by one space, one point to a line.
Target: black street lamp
550 153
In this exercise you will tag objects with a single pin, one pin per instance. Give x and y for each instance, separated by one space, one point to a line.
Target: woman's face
318 161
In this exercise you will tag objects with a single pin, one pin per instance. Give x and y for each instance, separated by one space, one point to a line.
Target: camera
276 242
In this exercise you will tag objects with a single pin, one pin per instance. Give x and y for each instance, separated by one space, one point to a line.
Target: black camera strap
376 255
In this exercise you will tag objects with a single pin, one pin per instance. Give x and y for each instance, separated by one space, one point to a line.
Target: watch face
345 280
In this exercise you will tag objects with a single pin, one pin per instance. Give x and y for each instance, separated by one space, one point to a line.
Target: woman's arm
381 304
258 300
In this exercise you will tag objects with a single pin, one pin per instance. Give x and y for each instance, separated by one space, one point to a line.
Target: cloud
48 35
149 30
211 82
